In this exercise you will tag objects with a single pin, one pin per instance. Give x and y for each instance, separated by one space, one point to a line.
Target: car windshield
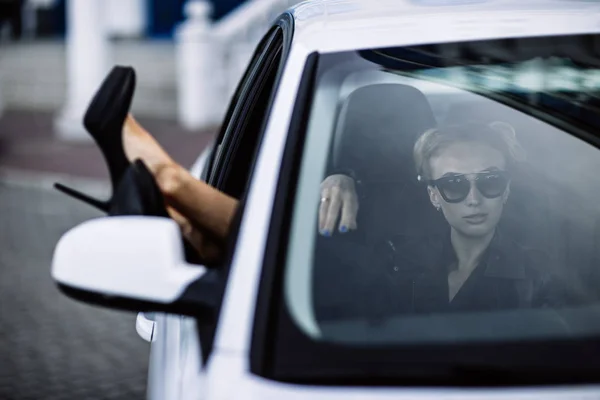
474 170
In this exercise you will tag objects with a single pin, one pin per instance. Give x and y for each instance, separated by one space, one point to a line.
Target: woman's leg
203 213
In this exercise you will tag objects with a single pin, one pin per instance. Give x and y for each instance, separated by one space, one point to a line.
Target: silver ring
324 199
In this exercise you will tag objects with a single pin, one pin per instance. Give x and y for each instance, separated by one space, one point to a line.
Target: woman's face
475 215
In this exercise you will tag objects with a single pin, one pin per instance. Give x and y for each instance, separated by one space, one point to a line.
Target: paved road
52 347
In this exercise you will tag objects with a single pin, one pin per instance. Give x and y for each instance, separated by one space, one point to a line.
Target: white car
345 87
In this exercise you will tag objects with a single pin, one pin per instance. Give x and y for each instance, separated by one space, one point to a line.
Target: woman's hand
338 194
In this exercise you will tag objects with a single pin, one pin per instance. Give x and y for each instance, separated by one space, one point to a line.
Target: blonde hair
499 135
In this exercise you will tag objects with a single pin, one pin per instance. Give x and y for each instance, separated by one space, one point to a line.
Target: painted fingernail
326 233
343 229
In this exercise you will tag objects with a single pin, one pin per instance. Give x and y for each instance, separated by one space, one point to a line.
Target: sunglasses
456 188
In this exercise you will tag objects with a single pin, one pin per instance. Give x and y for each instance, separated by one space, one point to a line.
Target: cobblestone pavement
52 347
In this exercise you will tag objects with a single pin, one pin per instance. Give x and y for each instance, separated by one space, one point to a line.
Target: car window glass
477 189
238 109
242 149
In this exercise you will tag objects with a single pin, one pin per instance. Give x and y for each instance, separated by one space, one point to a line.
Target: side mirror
133 263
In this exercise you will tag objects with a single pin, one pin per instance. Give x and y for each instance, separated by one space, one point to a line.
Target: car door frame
277 39
228 136
173 372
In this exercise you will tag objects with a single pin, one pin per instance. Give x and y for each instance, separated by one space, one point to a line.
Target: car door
181 345
145 322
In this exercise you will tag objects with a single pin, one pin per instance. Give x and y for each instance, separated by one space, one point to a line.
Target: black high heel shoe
104 120
135 191
138 194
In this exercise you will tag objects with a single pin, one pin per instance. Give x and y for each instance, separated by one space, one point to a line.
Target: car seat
376 128
375 134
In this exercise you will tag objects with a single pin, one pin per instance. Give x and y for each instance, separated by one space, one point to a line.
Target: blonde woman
472 265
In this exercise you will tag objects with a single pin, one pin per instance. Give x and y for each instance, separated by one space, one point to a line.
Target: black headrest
376 130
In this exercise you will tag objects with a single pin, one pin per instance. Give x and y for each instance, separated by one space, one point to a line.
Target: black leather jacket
412 276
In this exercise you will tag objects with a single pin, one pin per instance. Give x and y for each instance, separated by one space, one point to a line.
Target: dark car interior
541 213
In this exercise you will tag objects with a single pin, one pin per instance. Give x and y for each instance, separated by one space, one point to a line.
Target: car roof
331 10
334 25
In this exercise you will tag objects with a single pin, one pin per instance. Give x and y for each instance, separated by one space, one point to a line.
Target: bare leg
139 143
202 212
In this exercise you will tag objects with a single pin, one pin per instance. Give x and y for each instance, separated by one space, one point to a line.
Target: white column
198 69
127 18
87 62
240 55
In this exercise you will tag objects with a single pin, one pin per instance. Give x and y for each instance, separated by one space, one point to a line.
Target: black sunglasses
456 188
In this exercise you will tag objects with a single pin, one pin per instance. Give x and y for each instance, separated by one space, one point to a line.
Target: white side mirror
126 262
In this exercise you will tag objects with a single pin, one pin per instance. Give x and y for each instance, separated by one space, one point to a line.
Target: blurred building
189 55
131 18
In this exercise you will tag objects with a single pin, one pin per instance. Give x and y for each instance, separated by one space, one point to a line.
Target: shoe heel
99 204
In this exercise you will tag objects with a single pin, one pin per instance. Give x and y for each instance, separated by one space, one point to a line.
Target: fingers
323 207
338 196
349 212
333 211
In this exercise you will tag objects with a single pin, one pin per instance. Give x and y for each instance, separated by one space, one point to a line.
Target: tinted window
476 175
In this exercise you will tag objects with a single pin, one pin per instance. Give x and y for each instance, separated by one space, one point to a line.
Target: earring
438 208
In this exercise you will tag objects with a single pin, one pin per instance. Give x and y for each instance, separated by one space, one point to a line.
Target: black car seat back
375 134
376 128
